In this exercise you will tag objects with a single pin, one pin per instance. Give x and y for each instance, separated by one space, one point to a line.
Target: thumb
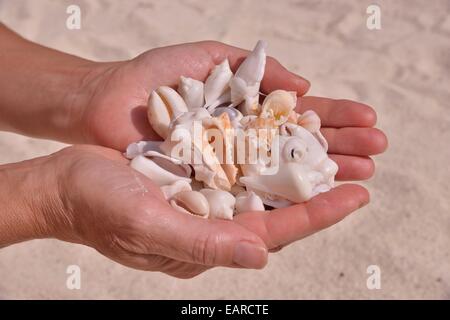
207 242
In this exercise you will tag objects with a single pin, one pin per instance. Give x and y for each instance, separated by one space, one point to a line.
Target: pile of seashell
224 153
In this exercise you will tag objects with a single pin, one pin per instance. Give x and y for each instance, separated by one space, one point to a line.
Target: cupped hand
115 97
105 204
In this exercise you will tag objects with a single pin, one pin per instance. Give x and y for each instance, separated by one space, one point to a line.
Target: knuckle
205 250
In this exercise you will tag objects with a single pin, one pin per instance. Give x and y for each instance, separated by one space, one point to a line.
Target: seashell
203 158
236 189
158 174
192 202
164 104
248 201
221 203
141 147
288 183
217 85
278 105
304 170
224 142
233 113
192 92
170 190
309 120
245 83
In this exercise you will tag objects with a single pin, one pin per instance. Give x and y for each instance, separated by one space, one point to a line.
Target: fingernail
250 255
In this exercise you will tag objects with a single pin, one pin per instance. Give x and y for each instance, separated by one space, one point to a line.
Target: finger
283 226
339 113
355 141
275 75
207 242
353 168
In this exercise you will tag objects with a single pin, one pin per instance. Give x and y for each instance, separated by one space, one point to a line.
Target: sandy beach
402 70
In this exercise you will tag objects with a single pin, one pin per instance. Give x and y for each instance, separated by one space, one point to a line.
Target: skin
92 197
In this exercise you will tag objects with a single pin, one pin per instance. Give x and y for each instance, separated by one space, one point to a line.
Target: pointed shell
248 201
192 91
245 83
217 83
163 105
221 203
192 202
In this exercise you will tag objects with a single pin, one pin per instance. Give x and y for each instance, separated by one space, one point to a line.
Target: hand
93 197
116 94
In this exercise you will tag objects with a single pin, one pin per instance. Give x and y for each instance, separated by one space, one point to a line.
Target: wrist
29 201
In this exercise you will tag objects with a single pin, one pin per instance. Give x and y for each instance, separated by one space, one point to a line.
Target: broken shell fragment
192 91
170 190
221 203
164 104
248 201
156 173
192 202
141 147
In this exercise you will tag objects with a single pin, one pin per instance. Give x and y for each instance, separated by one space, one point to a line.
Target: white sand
402 70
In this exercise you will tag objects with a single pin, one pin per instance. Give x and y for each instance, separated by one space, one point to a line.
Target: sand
402 70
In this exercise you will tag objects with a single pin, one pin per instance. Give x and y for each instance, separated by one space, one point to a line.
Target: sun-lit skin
89 194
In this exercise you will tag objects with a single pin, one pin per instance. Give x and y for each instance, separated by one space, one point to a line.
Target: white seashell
236 189
309 120
156 173
192 202
221 203
170 190
164 104
304 170
217 85
289 183
141 147
248 201
192 91
246 82
278 105
233 113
